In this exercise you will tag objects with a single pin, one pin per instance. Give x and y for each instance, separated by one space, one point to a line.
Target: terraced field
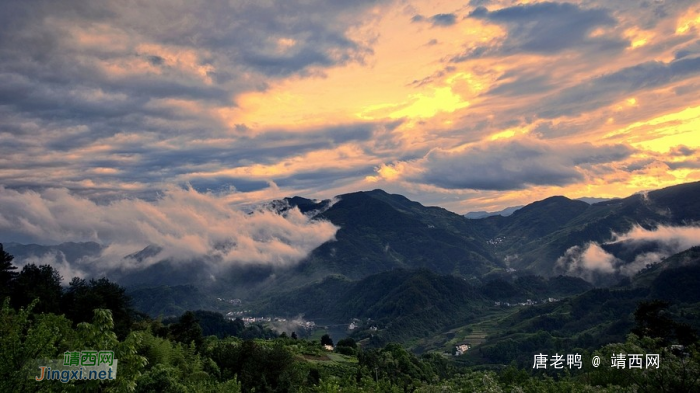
473 334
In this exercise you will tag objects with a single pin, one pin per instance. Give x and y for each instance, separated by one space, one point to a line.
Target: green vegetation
534 237
403 304
148 362
658 302
411 306
380 232
434 299
203 352
169 300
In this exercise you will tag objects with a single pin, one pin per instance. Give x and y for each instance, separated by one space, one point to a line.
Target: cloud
607 89
437 20
114 99
512 164
139 162
546 28
443 19
675 239
143 90
589 262
479 3
682 150
521 85
183 224
628 253
297 325
58 261
691 164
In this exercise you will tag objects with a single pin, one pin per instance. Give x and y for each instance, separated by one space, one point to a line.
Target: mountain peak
553 202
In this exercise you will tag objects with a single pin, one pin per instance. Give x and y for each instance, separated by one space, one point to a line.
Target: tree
7 273
326 340
82 297
653 321
187 329
347 342
25 337
347 346
37 282
294 335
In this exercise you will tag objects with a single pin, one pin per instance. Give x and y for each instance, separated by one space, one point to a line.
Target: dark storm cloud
607 89
546 28
514 164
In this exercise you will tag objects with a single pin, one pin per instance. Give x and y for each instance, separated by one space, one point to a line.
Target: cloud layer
471 105
647 247
514 164
181 226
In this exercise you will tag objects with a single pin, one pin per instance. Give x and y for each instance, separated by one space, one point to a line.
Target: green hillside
380 232
597 317
534 237
402 304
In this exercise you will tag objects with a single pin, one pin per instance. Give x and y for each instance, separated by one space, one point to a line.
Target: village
528 302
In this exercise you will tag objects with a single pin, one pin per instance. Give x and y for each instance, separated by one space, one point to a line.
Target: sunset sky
469 105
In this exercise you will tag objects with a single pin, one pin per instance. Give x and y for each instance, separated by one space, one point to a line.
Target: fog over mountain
182 225
628 253
190 237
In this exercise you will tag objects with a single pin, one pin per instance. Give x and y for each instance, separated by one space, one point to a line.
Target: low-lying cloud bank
627 253
181 226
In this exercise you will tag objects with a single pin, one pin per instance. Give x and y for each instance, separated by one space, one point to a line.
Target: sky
468 105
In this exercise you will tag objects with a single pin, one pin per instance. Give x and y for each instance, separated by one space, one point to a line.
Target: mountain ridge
379 231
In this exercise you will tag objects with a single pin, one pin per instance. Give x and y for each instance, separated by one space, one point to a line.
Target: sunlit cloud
182 225
648 247
472 105
688 23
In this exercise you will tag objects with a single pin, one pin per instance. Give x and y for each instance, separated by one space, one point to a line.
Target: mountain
69 251
483 214
430 278
402 303
511 209
592 200
679 261
377 232
169 300
534 237
305 205
380 232
598 316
